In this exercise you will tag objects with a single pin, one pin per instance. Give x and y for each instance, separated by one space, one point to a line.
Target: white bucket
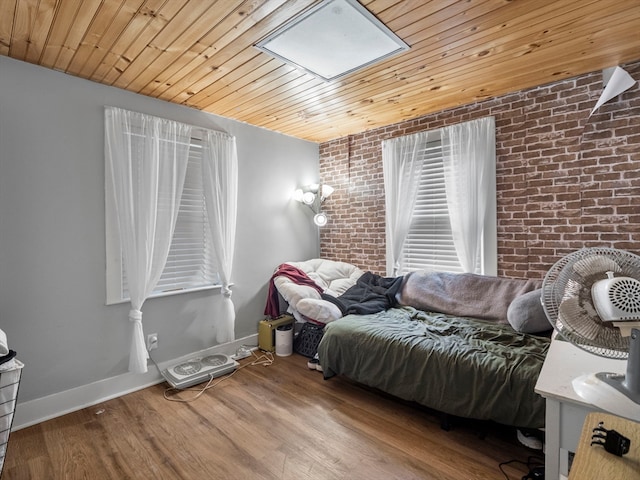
284 340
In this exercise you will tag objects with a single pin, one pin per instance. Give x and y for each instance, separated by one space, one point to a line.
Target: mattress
457 365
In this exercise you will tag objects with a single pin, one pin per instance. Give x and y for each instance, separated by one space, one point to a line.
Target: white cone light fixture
313 196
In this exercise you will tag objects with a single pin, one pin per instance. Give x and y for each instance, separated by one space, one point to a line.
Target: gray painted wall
52 234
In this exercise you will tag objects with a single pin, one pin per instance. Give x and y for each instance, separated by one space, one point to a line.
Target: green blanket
460 366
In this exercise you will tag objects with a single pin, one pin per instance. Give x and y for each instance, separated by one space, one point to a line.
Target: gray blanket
463 294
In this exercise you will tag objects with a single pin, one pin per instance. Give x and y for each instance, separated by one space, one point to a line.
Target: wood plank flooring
283 421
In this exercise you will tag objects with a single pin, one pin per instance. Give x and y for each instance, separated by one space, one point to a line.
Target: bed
460 366
465 345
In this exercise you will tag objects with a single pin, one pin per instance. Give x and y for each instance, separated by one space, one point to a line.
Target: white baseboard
58 404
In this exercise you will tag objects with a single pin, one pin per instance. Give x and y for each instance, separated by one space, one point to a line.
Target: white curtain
146 159
469 156
402 168
220 183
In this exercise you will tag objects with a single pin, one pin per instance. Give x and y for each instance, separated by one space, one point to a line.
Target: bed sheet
457 365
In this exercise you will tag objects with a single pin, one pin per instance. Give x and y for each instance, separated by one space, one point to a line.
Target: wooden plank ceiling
201 53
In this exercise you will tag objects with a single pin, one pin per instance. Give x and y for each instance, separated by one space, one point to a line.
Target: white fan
592 299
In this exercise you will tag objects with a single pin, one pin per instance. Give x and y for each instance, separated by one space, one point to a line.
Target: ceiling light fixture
333 39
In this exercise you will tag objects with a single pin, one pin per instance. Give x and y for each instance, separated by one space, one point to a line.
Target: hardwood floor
283 421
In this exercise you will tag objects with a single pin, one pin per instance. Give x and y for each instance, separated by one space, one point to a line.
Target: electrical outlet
152 341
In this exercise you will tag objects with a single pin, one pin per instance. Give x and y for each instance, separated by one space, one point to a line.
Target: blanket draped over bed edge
463 294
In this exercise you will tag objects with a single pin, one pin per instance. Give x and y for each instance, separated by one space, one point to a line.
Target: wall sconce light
312 196
320 219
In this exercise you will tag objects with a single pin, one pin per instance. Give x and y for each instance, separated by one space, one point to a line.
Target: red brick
564 180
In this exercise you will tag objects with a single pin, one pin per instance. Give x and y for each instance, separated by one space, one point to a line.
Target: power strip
243 352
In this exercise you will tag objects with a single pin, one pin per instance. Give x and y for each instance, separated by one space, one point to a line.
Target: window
440 196
190 264
429 242
147 162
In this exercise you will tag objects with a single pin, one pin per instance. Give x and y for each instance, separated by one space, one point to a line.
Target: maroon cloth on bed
296 275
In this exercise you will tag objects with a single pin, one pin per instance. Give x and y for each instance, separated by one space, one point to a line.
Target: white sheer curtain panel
469 156
220 184
146 159
402 167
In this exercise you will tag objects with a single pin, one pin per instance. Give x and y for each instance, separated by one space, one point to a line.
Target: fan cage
570 280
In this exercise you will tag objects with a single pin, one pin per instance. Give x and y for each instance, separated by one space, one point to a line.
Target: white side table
565 410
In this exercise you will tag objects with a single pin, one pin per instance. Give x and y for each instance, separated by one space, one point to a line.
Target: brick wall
564 180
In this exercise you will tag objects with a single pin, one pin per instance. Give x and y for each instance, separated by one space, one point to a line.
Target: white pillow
292 292
319 310
334 278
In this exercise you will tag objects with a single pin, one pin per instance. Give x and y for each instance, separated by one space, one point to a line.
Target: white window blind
429 243
449 220
190 264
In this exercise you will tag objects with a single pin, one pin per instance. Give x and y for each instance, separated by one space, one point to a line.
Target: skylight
333 39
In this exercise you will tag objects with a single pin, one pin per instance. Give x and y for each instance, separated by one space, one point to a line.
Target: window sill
170 293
